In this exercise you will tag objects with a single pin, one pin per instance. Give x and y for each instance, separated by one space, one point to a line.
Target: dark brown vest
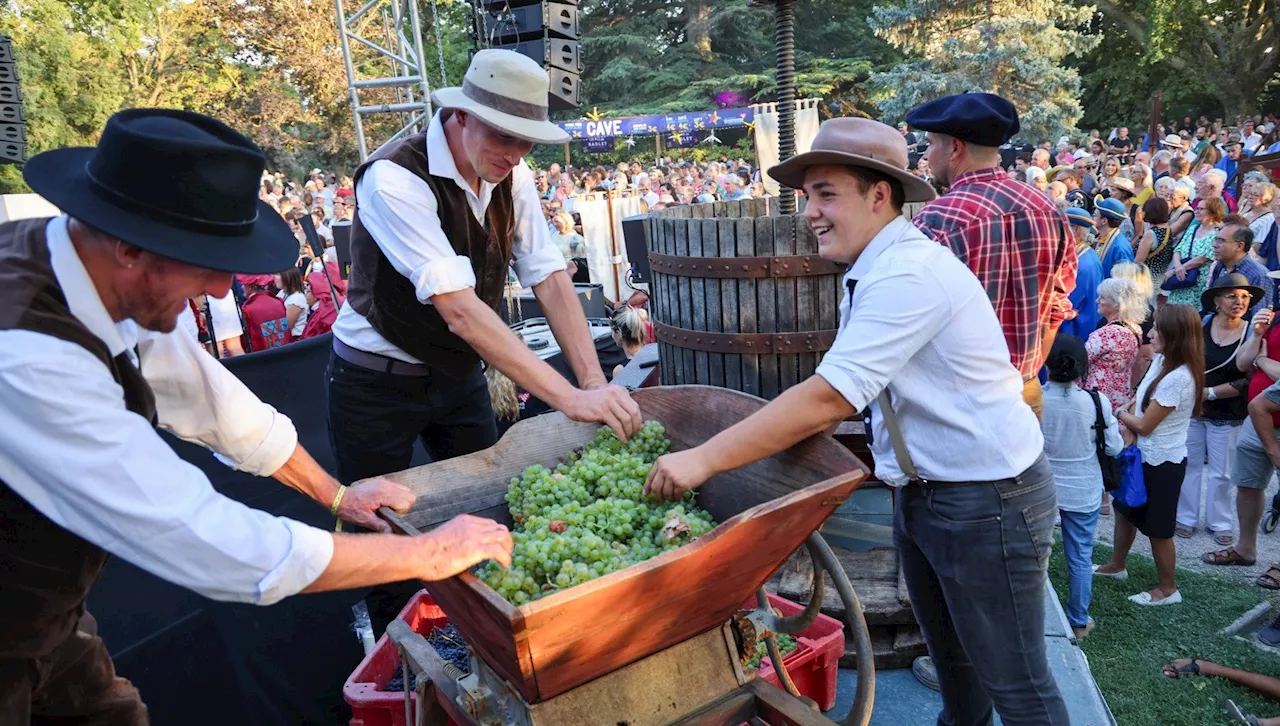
387 298
46 571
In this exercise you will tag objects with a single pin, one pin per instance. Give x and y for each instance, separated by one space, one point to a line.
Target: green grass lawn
1131 642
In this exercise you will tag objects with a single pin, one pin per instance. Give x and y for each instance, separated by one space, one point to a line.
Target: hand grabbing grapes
462 542
609 405
675 474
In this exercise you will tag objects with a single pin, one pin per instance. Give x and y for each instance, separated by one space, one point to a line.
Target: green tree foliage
71 74
272 69
1192 48
1015 48
654 56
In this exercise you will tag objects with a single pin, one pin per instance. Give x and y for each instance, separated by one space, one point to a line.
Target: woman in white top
294 293
1159 417
1069 425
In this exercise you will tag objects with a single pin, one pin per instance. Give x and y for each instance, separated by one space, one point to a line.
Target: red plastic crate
371 706
814 664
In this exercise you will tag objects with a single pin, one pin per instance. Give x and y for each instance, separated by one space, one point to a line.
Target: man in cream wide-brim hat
919 345
441 217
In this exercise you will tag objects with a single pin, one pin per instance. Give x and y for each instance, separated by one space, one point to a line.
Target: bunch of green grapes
786 644
589 517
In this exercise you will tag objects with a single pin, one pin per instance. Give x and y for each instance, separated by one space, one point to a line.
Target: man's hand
460 543
360 504
674 474
609 405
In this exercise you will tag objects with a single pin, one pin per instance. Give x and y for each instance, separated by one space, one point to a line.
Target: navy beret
984 119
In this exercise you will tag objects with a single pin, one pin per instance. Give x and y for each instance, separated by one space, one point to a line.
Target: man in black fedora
163 209
441 219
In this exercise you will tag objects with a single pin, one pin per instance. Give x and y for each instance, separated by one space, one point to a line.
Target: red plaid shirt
1020 247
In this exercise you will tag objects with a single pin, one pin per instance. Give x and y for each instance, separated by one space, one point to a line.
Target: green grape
588 517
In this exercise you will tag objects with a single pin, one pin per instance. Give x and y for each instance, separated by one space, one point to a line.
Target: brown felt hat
857 142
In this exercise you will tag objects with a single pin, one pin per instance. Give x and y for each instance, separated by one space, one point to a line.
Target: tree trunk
698 29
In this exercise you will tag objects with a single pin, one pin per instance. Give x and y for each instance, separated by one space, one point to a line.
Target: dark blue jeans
974 557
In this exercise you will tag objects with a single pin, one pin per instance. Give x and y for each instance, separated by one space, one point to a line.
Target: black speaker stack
545 31
13 128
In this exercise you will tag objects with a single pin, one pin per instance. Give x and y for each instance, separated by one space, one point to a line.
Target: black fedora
175 183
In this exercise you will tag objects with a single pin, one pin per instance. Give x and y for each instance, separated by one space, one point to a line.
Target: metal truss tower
399 62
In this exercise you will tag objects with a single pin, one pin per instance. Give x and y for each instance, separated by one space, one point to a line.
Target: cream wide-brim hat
508 91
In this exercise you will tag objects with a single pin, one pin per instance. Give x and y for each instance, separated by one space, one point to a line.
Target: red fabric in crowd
1260 381
321 318
266 321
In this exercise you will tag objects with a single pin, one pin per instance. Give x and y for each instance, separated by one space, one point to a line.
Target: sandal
1269 580
1172 671
1184 532
1239 715
1224 538
1229 556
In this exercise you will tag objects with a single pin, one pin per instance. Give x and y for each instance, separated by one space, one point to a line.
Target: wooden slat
685 363
698 304
806 296
766 304
729 306
667 352
745 229
711 247
828 293
656 301
784 243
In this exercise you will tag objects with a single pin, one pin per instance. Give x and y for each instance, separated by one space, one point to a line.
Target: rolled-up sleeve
402 215
70 448
532 254
199 400
892 318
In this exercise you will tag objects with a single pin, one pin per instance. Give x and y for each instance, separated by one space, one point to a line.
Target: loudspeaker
564 89
637 250
551 53
502 25
546 32
13 135
342 245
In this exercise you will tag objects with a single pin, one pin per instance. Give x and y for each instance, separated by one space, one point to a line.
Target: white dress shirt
922 325
71 449
399 211
1071 445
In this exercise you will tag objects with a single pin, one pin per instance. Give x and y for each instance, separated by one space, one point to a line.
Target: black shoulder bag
1112 468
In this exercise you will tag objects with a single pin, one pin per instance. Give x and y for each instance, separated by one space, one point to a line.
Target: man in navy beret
1021 248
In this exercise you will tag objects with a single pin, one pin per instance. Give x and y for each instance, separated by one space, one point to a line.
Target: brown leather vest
387 298
46 571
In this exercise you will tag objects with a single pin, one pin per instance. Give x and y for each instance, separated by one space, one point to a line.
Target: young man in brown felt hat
920 346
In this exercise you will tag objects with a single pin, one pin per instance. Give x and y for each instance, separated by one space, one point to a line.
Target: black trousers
374 418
